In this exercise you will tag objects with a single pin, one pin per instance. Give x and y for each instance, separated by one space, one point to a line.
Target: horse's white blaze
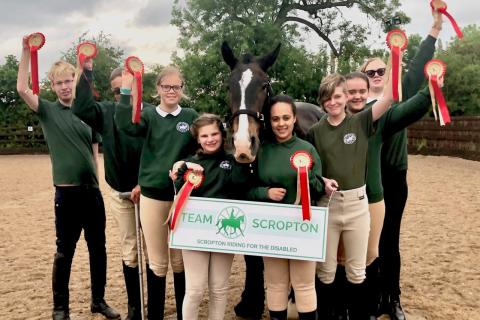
242 137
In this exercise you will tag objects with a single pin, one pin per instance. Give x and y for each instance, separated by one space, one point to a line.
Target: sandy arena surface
440 244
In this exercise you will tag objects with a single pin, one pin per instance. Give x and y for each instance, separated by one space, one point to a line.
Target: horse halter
255 114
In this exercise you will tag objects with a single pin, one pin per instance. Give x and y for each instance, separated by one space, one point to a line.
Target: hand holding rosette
135 66
193 180
302 162
86 50
434 71
35 41
441 7
397 42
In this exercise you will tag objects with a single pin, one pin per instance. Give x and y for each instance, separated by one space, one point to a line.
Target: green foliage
108 58
462 80
256 27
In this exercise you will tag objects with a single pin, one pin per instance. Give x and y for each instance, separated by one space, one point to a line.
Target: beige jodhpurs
152 216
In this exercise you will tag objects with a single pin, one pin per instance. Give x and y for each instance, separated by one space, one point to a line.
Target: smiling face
377 81
210 138
357 94
282 120
335 105
170 90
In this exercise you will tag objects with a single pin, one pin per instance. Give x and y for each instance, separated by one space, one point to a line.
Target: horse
249 93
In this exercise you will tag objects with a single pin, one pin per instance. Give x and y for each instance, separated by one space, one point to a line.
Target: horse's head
249 89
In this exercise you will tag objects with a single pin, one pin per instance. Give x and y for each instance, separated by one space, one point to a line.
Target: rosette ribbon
86 50
135 66
35 42
302 162
397 42
192 181
441 7
434 69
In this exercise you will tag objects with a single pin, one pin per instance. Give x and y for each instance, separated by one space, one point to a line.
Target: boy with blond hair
78 201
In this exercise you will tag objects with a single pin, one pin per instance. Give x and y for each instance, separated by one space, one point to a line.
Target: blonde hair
328 86
61 68
364 66
171 70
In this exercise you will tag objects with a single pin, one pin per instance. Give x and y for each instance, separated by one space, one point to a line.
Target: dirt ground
440 244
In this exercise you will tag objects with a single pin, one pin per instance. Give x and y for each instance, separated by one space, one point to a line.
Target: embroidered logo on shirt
182 127
349 138
226 165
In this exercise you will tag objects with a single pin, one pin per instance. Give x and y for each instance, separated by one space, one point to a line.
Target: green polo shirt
396 118
167 140
276 171
343 148
69 141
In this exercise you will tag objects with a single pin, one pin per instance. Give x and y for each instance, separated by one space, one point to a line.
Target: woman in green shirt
342 142
277 182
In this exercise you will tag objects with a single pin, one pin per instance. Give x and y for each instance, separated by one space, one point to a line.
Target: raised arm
381 106
124 110
414 78
22 80
84 106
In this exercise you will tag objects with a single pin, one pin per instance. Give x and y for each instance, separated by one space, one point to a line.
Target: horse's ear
228 55
268 60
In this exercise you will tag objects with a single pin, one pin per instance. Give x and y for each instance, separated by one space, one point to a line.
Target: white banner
251 228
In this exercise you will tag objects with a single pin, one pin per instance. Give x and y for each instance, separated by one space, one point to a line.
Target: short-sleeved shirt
343 148
69 141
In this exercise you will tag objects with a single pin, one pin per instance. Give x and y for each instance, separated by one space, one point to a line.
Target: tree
13 111
462 79
108 58
256 27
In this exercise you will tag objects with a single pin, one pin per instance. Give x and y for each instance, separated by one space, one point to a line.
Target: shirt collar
164 113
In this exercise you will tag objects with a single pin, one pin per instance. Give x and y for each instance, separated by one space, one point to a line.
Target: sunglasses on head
371 73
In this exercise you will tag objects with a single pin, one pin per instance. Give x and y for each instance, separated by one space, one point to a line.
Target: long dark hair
268 125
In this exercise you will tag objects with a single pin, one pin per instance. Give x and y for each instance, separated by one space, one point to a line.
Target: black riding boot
179 286
251 305
60 279
156 295
372 283
307 315
278 315
325 297
340 291
132 284
396 310
357 309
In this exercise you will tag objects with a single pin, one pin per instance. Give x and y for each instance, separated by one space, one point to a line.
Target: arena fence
460 138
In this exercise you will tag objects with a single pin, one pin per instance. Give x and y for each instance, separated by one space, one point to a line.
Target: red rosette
135 66
397 42
35 41
441 7
86 50
301 158
192 181
302 162
434 69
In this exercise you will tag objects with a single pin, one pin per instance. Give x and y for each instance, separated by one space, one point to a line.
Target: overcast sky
142 27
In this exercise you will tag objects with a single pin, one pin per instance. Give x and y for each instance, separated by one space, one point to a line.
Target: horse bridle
258 116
